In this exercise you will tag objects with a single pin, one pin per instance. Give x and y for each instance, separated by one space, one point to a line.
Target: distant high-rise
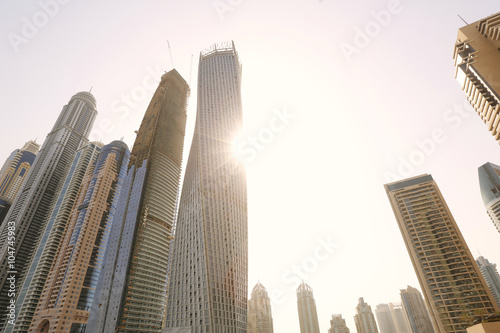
399 317
489 183
364 319
477 63
13 173
79 259
33 205
131 293
52 237
416 311
210 248
491 277
337 325
384 319
260 319
308 315
448 275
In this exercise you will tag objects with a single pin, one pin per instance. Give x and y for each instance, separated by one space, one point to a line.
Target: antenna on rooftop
170 51
90 89
463 20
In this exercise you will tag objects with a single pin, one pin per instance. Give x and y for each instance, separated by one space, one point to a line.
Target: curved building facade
13 174
489 183
208 284
74 275
30 211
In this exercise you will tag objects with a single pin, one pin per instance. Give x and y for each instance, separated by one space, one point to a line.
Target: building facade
208 284
15 169
384 319
399 317
52 237
338 325
364 318
260 318
489 183
490 274
416 310
31 209
130 295
308 314
477 69
448 274
72 279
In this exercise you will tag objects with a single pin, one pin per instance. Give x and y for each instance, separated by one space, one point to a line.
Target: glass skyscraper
13 174
72 280
208 284
33 205
489 183
131 293
52 237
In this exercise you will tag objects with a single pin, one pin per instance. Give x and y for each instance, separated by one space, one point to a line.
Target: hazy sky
339 97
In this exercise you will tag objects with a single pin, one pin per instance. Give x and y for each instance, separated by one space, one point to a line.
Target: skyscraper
308 315
477 69
448 275
489 183
73 277
338 325
33 204
399 317
490 274
130 295
13 174
416 311
384 319
52 237
260 319
208 284
15 169
364 319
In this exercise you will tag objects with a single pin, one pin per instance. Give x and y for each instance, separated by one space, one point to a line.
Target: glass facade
131 292
489 183
208 283
80 257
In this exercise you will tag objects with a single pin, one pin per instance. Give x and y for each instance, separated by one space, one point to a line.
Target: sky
339 98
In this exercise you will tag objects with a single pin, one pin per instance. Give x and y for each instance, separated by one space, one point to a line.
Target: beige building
69 290
308 315
364 318
452 284
338 325
485 328
260 318
415 310
477 68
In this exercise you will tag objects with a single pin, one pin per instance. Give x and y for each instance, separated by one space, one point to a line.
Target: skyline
372 134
